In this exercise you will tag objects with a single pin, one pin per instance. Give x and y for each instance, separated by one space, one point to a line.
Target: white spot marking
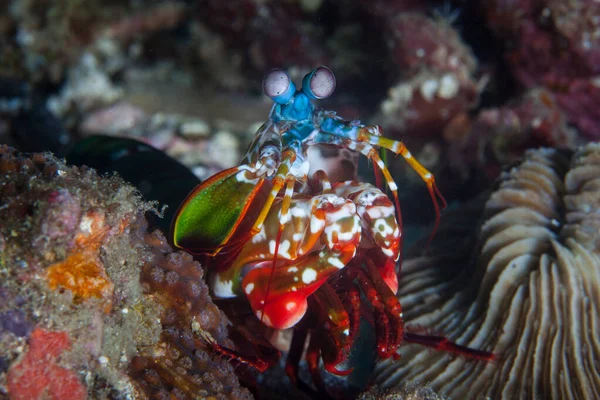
282 251
336 262
285 218
298 212
223 289
316 224
260 236
387 252
309 275
249 288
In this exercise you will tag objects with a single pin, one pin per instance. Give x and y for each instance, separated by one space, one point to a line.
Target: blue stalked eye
278 86
319 83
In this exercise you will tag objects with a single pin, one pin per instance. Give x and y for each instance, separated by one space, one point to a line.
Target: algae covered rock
92 305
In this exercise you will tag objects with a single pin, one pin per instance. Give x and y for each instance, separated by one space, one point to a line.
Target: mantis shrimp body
321 235
283 236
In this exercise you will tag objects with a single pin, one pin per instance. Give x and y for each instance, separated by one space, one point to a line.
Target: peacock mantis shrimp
304 251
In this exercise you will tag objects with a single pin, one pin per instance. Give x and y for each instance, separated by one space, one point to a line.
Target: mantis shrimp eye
319 83
278 86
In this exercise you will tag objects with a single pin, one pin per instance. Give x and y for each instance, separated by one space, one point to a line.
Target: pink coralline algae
39 376
555 44
437 75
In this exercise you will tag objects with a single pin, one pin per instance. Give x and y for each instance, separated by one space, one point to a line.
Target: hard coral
411 392
499 136
52 34
260 35
530 294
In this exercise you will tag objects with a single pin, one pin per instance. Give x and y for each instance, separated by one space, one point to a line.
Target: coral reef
468 85
437 75
554 44
529 295
179 365
499 136
92 304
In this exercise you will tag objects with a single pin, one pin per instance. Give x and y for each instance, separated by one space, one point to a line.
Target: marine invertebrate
530 294
411 392
82 271
287 239
181 363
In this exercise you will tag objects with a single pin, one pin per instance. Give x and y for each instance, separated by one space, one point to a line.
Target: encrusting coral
530 295
92 305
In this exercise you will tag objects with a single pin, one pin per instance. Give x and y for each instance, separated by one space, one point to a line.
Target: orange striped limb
372 135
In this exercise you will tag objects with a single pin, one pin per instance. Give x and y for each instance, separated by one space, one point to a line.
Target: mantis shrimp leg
373 136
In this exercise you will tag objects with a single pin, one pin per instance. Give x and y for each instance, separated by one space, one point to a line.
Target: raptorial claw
204 227
292 284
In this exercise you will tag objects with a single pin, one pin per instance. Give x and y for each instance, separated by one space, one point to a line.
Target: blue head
292 104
